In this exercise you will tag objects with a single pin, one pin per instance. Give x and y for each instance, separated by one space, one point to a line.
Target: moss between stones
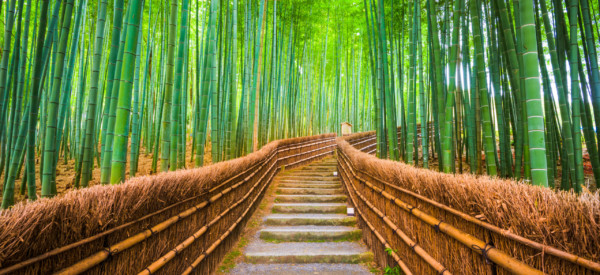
348 236
229 260
347 221
313 210
302 259
339 198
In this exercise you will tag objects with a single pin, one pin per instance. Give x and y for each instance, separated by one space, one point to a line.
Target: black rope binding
437 226
110 252
484 251
107 249
151 231
410 208
413 246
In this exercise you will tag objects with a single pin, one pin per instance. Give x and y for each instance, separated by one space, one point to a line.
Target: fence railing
427 222
177 222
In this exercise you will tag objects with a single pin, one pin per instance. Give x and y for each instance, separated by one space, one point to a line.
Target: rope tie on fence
437 226
107 249
413 246
443 270
151 231
484 251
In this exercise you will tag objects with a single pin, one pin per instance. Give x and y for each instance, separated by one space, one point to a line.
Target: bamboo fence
177 222
436 223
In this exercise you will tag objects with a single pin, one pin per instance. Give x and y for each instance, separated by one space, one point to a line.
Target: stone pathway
308 230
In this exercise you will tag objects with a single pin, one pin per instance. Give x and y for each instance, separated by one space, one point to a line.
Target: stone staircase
308 230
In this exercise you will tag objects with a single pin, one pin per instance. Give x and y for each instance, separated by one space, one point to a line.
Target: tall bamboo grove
97 91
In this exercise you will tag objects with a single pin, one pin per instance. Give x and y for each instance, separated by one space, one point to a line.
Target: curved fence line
383 197
195 217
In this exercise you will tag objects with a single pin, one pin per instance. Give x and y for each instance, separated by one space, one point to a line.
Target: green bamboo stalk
119 153
447 145
489 141
573 8
90 121
167 116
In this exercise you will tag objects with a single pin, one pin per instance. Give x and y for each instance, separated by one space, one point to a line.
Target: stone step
298 252
310 198
304 233
317 208
318 169
310 219
310 181
309 185
322 164
310 191
319 166
328 177
301 269
310 172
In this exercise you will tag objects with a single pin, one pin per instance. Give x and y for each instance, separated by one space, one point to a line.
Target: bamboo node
410 208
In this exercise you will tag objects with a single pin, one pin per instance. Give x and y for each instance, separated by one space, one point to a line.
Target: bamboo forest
504 88
300 136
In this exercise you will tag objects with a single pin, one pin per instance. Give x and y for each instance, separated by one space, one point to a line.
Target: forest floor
65 172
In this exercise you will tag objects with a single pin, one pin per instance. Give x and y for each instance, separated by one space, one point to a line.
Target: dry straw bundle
544 229
187 219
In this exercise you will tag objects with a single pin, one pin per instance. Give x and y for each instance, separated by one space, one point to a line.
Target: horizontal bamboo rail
155 266
381 239
100 256
545 249
441 269
279 157
63 249
495 255
197 262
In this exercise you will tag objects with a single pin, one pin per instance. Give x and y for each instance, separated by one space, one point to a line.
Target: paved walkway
308 230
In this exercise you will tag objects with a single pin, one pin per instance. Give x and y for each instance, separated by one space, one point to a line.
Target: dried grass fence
439 223
177 222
